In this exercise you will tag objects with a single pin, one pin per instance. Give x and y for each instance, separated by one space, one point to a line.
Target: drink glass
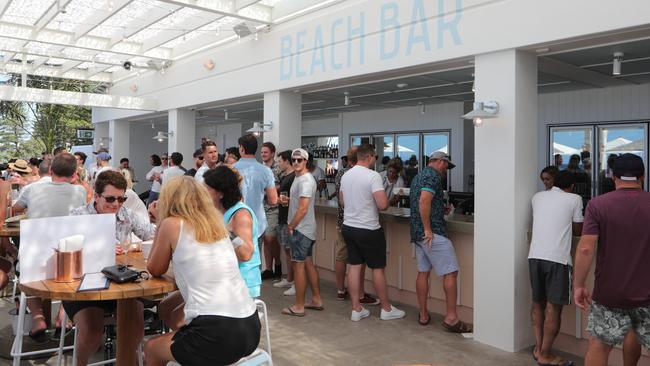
284 198
124 238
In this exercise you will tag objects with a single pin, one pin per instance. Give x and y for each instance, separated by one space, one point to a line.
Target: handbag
120 273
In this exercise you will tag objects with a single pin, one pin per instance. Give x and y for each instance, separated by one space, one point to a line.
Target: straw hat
20 166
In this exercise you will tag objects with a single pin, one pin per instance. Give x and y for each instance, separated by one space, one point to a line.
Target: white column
284 109
506 179
182 125
118 142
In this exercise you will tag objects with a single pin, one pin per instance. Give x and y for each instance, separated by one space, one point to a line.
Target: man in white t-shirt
174 169
210 159
362 194
557 213
50 199
302 235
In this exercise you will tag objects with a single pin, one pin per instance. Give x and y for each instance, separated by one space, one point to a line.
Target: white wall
141 147
587 106
445 116
225 135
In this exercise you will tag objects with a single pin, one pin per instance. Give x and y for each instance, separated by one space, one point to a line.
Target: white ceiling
92 39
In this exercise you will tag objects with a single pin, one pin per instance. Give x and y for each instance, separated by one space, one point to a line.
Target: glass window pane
435 142
358 140
614 141
408 149
384 145
572 150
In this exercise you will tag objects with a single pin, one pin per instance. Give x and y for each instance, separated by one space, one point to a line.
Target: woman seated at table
223 185
222 324
110 188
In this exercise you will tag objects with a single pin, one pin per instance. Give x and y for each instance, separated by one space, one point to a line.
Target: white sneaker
283 283
291 291
394 313
358 315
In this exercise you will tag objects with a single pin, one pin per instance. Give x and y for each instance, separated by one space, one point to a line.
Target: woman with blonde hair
221 319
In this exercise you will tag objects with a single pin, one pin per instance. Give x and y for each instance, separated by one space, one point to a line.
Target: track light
346 98
616 65
423 108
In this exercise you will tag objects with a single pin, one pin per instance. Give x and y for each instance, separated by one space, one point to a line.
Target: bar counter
401 268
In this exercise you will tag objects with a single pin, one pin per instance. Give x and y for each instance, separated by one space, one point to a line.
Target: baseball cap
300 152
103 156
629 167
101 150
439 155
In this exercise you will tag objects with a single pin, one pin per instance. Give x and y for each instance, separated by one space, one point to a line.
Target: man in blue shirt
258 181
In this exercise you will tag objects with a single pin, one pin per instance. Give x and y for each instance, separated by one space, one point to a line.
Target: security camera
127 65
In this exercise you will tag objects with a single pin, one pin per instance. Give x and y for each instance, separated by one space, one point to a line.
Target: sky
576 138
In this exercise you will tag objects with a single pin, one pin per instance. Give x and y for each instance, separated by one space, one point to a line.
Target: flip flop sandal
314 307
290 312
459 327
426 322
565 363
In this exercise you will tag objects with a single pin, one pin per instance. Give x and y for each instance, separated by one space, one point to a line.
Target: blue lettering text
391 22
418 17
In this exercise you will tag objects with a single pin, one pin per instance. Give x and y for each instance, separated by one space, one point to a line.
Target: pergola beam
169 35
50 14
97 19
230 13
4 4
154 16
33 95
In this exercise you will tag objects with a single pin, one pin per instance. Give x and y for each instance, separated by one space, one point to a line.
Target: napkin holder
68 266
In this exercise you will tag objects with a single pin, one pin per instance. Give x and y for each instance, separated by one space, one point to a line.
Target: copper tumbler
68 266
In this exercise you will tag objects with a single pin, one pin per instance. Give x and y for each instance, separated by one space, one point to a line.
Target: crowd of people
216 221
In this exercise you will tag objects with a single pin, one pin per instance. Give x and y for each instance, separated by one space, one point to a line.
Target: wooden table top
6 231
48 289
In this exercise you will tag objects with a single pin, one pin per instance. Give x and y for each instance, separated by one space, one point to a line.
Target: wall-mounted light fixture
346 98
482 111
162 136
259 127
616 65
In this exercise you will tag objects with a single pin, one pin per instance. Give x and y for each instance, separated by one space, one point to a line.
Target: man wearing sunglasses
110 195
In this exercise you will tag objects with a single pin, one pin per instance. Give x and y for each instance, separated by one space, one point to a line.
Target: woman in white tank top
221 319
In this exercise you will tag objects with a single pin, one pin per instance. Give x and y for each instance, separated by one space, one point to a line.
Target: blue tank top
250 270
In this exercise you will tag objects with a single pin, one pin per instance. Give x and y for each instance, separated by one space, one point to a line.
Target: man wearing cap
302 235
432 247
102 165
617 222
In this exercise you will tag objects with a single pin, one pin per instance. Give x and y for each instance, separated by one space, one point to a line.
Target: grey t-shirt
303 186
51 199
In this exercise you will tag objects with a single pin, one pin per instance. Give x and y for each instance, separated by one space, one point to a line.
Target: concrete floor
329 338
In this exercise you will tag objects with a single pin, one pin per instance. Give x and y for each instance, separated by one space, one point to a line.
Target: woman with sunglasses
221 318
110 195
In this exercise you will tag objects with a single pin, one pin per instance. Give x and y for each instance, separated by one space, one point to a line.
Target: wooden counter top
459 223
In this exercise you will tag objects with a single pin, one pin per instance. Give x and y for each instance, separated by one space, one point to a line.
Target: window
572 148
412 148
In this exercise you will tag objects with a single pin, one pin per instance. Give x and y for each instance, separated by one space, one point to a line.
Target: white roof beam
97 70
50 71
153 16
39 62
50 14
16 31
55 55
69 65
195 4
169 35
97 19
4 4
22 94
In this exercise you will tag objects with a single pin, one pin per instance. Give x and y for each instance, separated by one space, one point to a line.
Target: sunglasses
164 159
111 199
298 160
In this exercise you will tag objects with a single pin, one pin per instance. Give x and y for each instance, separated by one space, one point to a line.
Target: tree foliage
28 129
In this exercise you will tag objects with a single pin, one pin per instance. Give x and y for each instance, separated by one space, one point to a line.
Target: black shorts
216 340
73 307
550 281
365 246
